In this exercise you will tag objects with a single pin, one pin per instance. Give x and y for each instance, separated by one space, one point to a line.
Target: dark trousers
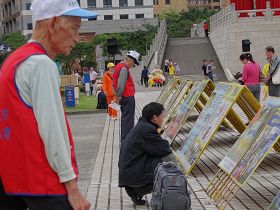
138 191
128 112
256 90
206 32
210 76
146 79
32 202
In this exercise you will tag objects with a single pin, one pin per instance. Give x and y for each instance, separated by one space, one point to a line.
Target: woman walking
251 74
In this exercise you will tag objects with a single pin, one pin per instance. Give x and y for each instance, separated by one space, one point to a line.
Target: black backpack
170 190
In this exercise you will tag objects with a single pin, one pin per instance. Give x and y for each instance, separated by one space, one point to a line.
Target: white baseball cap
134 55
45 9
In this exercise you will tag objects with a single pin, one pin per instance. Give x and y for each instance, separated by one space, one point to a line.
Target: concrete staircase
189 54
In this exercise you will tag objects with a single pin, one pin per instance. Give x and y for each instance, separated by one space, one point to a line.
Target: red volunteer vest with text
129 85
24 168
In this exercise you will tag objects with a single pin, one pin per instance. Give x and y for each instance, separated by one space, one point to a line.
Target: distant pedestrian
92 76
177 69
204 67
273 72
251 74
206 28
101 99
209 70
195 30
171 70
124 87
144 76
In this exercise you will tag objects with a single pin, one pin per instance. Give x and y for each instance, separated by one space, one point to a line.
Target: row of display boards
214 104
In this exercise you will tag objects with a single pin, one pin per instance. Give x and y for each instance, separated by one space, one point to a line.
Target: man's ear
52 25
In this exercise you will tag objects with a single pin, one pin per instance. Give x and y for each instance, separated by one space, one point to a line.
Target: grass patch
87 103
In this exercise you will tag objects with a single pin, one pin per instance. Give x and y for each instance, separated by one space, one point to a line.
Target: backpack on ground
170 190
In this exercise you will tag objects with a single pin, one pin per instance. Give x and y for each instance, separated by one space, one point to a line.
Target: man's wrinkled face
65 34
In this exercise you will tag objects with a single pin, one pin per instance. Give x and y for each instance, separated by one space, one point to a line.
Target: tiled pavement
100 175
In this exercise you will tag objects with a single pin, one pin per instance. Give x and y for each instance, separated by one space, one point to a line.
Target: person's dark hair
247 56
211 60
152 109
204 60
145 67
270 49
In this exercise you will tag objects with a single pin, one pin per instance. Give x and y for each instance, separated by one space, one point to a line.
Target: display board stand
217 109
179 116
168 90
246 154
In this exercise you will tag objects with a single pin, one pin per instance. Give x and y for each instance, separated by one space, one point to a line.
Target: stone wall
227 40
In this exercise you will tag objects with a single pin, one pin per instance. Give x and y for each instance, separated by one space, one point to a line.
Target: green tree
179 23
14 40
138 40
82 53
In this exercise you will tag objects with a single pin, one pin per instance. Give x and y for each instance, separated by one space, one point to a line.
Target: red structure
260 4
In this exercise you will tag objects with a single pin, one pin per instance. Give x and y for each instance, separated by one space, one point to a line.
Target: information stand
168 90
183 90
217 109
247 153
179 116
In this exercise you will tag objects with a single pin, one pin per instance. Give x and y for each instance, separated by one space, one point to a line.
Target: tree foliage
179 23
14 40
82 53
138 40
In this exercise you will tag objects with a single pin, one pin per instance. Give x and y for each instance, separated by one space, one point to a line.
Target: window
91 19
216 0
167 1
139 16
138 2
108 17
107 3
29 26
123 3
122 17
28 5
91 3
216 7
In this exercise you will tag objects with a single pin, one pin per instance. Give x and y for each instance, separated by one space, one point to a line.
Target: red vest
24 168
129 85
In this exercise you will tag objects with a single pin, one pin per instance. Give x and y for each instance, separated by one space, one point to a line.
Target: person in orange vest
124 87
107 86
38 168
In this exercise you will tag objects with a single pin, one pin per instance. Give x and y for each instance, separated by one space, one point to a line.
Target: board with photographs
208 122
247 153
241 146
182 113
168 112
275 205
168 90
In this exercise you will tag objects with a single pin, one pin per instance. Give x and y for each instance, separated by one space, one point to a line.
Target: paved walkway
99 176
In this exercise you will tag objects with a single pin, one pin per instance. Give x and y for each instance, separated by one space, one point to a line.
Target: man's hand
118 99
266 80
75 197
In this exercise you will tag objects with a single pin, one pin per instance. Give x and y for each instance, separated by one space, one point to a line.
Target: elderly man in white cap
124 88
38 168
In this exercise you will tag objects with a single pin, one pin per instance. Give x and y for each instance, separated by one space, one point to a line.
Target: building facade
16 16
161 6
211 4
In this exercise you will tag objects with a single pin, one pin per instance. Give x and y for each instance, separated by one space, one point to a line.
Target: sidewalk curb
97 111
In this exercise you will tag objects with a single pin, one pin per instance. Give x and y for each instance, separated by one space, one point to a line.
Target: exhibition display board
168 90
217 109
179 116
247 153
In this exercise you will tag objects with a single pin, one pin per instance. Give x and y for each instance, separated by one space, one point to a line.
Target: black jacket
141 151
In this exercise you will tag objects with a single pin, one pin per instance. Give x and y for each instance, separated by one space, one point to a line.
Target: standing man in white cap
124 88
38 168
